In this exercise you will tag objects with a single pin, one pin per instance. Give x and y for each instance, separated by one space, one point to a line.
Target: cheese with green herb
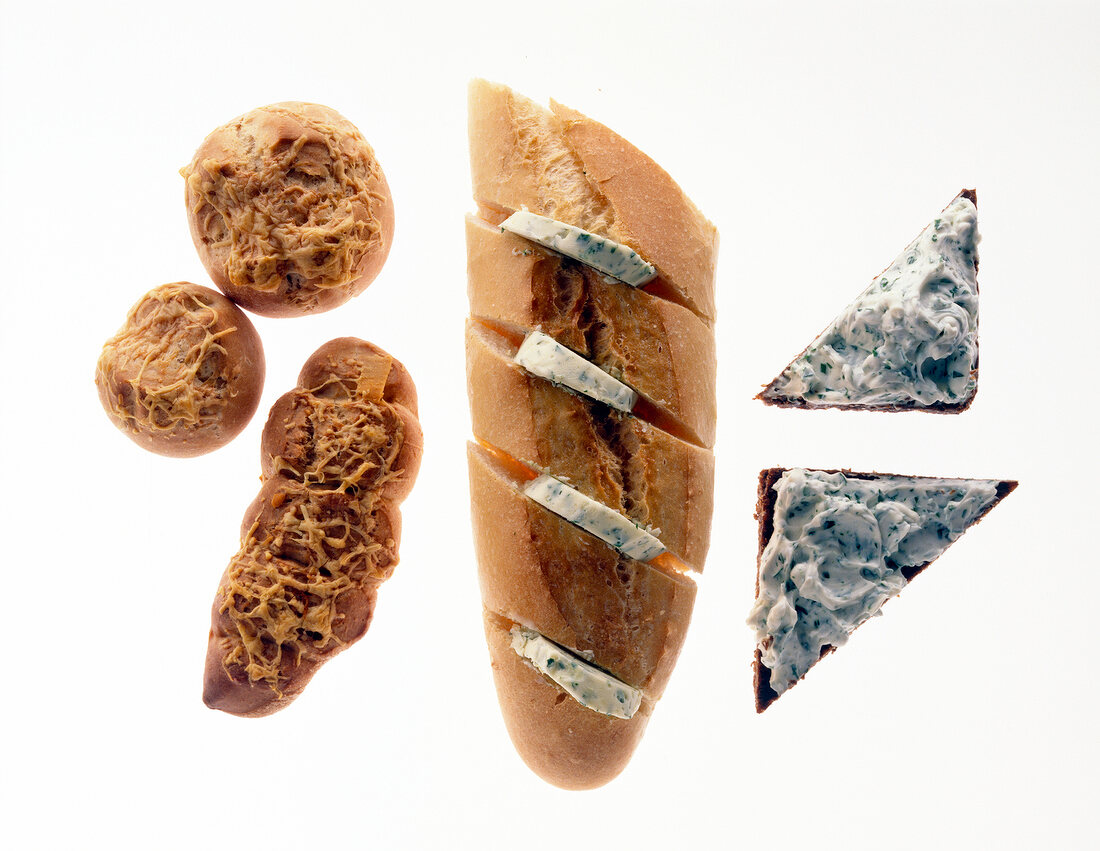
593 516
542 355
838 549
911 338
602 254
585 683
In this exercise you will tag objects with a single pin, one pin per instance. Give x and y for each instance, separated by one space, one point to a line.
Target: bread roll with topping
339 454
289 209
184 374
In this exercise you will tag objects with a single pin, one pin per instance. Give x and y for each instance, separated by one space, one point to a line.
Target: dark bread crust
765 517
935 408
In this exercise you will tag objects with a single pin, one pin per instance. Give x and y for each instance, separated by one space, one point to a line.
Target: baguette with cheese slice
591 374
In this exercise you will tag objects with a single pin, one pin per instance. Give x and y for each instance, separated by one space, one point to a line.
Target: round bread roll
183 375
289 209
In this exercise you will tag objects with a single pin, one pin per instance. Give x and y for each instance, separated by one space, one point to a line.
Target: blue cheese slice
593 516
545 357
838 551
586 684
910 338
602 254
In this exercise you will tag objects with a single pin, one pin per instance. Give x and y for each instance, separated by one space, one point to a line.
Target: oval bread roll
339 453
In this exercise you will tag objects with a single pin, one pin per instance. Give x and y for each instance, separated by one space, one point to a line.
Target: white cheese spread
594 517
545 357
602 254
837 552
911 336
586 684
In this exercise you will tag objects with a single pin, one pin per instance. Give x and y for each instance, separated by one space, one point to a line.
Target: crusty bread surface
289 209
658 348
650 476
628 617
561 164
560 740
184 374
654 466
339 453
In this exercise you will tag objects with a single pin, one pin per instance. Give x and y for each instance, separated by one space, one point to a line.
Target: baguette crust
560 740
568 167
625 463
653 465
339 453
536 569
764 515
658 348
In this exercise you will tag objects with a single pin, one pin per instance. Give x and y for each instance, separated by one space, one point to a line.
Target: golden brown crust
765 517
184 374
650 476
566 166
323 533
625 616
560 740
658 348
289 209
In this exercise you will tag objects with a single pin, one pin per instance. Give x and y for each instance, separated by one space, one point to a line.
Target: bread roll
339 453
184 374
289 209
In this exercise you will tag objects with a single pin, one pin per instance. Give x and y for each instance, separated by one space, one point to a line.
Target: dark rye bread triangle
765 505
769 395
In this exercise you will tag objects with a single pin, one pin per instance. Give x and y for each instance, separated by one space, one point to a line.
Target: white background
819 138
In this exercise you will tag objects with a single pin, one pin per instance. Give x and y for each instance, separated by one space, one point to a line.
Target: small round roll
289 209
184 374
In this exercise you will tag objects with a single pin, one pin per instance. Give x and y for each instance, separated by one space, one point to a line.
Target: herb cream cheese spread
838 550
585 683
602 254
593 516
542 355
910 339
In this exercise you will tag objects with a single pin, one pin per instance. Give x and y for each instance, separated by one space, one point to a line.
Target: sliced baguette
658 348
536 569
652 477
561 164
560 740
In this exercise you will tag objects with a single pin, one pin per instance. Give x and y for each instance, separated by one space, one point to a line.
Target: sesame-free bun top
289 209
184 373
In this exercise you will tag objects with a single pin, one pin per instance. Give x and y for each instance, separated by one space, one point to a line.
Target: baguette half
561 164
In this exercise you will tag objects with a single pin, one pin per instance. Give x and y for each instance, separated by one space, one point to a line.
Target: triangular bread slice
835 546
561 164
909 342
624 462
